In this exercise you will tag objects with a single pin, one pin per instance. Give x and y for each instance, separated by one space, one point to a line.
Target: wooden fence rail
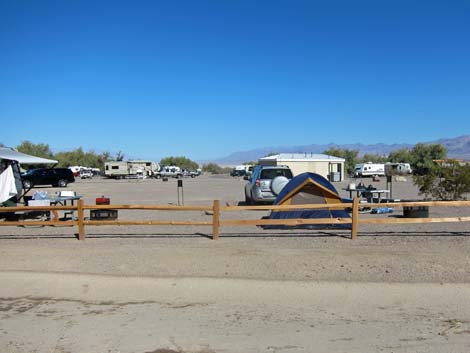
217 210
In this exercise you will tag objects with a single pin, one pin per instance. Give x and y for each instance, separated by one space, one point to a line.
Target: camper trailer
130 169
393 169
369 169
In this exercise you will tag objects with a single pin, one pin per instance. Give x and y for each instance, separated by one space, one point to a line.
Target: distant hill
458 147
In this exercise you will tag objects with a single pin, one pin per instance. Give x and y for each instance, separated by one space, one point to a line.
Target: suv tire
247 200
62 183
27 184
252 201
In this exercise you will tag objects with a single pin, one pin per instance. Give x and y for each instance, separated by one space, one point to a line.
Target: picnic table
63 201
368 193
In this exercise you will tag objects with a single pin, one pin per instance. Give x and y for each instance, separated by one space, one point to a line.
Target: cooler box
39 202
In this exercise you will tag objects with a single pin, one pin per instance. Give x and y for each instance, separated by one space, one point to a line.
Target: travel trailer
369 169
130 169
392 169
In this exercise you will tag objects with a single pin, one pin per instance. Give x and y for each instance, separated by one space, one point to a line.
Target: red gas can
103 200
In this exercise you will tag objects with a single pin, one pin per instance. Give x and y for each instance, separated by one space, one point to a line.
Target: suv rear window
272 173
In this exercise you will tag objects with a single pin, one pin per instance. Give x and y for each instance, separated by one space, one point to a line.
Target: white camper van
169 171
369 169
130 169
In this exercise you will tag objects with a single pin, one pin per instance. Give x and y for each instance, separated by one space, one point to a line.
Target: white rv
369 169
130 169
392 169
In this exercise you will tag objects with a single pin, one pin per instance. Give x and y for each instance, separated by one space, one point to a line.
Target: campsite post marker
215 219
180 186
355 216
80 216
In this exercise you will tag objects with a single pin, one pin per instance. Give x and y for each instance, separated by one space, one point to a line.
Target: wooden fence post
355 218
81 217
215 219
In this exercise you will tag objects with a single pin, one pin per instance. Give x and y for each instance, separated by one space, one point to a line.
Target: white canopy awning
23 158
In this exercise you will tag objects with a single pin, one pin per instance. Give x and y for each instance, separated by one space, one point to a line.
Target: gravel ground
173 289
393 253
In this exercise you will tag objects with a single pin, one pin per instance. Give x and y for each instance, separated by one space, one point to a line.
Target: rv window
148 164
115 167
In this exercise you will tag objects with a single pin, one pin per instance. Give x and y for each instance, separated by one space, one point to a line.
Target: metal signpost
180 191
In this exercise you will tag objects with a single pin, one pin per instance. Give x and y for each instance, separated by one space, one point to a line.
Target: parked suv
237 172
55 177
260 187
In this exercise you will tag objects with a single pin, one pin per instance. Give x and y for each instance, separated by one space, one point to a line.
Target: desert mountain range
458 147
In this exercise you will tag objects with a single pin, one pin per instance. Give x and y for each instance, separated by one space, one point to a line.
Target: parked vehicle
78 170
191 173
75 170
265 183
86 174
369 169
130 169
237 172
169 172
242 170
42 176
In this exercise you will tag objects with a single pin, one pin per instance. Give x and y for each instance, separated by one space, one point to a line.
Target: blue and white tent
309 188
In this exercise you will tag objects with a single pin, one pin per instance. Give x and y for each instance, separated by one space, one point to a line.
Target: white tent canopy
23 158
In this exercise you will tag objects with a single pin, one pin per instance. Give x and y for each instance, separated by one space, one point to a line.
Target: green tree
79 157
434 178
424 155
215 169
400 156
350 157
445 181
182 162
38 150
374 158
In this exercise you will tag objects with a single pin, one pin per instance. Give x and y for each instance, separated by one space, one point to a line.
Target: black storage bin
97 215
415 211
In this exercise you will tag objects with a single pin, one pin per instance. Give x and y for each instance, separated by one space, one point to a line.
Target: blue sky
206 78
